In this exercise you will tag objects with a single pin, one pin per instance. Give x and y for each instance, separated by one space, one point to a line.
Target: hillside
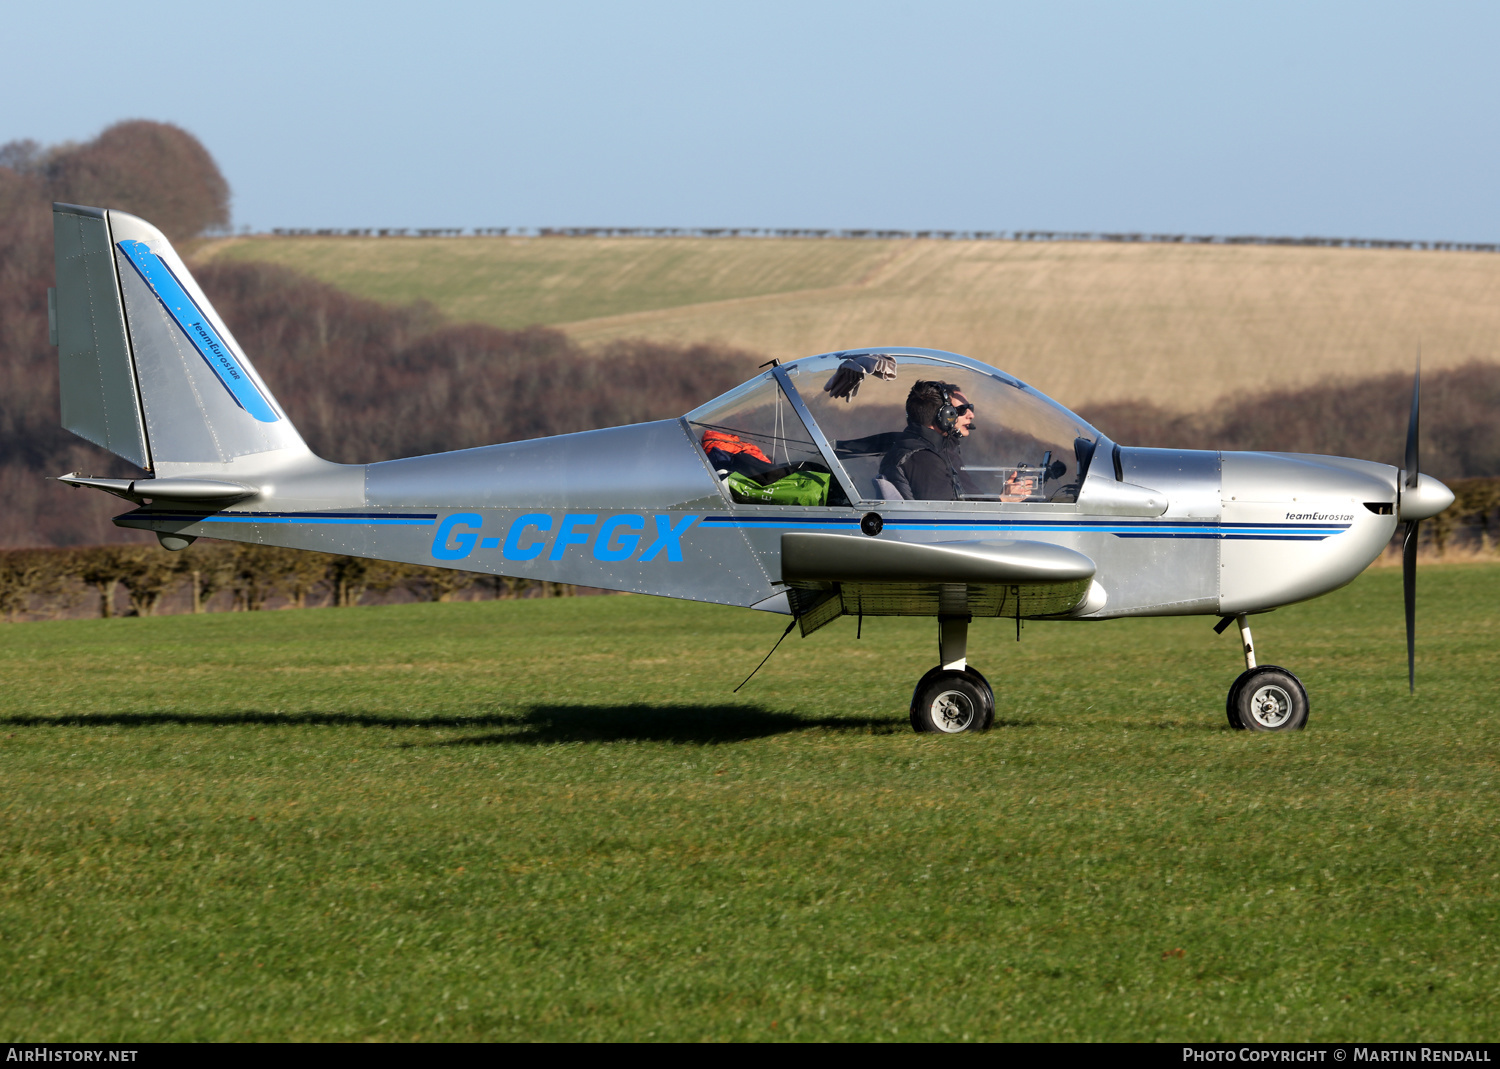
1090 323
389 347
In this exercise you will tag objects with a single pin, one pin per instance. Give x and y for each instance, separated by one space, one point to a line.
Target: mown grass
1087 323
552 820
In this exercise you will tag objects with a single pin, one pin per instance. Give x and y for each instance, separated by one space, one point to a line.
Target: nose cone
1297 526
1426 499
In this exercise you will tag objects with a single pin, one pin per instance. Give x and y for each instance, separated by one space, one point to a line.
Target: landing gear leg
953 642
952 698
1246 640
1265 698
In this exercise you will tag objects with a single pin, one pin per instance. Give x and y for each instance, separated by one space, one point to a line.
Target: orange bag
728 443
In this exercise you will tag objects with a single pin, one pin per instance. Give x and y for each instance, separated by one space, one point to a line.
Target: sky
1360 119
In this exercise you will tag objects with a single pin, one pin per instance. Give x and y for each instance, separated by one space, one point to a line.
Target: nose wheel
952 698
1265 697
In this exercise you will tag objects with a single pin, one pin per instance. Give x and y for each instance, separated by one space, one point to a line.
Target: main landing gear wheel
1267 699
951 702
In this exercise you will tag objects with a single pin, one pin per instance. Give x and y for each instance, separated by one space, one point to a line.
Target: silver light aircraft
792 493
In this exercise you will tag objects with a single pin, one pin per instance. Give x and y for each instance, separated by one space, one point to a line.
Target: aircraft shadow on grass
538 725
702 724
257 717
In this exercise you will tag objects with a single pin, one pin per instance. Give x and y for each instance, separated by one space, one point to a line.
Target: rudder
96 373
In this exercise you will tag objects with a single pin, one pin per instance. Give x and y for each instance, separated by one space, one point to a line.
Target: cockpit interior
834 430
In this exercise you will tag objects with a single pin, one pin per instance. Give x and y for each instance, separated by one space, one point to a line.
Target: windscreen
999 442
761 450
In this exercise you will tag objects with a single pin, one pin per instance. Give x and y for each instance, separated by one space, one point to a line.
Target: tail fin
148 369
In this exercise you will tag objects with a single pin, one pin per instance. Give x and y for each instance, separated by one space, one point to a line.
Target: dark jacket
923 465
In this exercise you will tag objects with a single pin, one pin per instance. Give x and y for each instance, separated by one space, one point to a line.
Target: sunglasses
959 410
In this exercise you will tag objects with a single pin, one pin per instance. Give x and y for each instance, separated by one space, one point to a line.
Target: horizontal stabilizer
209 492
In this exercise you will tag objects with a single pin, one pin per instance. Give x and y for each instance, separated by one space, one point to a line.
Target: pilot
925 463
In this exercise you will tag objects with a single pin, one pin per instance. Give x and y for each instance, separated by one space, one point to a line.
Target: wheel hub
952 711
1271 706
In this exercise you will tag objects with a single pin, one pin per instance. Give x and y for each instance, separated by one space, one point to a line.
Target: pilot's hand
1017 488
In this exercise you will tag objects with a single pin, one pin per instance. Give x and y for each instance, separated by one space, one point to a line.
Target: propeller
1409 542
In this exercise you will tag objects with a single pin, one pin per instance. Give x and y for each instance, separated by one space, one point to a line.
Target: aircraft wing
832 575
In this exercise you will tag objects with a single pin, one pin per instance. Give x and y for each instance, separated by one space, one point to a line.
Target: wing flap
830 575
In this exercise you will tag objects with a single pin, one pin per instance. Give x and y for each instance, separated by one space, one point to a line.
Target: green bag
798 488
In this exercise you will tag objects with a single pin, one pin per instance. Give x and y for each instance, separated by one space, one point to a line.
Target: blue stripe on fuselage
377 518
1308 532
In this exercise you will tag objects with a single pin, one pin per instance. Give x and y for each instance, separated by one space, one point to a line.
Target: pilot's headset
946 419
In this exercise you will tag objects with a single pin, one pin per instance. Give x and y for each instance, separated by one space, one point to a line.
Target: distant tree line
246 577
362 381
873 235
238 577
365 381
1361 418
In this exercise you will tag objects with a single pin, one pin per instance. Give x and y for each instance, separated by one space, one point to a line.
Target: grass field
1086 322
552 820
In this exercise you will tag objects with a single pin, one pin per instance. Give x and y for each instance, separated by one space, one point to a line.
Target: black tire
989 696
952 703
1234 696
972 672
1268 699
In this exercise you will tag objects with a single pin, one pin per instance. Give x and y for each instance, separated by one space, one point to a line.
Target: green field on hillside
552 820
1087 322
518 282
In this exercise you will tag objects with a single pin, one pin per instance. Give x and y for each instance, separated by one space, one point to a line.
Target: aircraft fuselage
638 508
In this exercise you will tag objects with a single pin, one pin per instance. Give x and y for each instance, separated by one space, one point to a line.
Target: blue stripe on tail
188 316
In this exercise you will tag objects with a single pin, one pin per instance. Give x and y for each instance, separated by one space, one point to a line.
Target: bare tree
346 578
209 567
302 574
150 574
257 574
103 568
25 155
22 573
155 170
438 584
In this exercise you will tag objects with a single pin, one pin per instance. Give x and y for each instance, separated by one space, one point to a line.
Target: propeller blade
1411 427
1409 590
1409 543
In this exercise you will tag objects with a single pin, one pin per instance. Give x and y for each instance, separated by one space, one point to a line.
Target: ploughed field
551 819
1088 323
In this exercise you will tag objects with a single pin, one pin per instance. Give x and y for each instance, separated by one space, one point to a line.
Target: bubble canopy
846 413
